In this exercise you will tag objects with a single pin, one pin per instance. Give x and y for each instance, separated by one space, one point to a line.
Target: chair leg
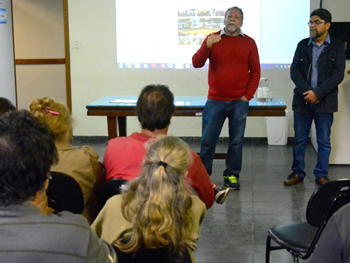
295 259
268 246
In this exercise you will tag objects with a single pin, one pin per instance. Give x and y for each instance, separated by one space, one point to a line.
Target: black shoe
232 181
322 180
293 179
221 195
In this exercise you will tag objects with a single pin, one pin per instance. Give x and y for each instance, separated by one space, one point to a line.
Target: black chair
300 239
159 255
109 189
64 193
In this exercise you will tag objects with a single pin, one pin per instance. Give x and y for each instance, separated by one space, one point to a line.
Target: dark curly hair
154 107
6 105
323 14
27 151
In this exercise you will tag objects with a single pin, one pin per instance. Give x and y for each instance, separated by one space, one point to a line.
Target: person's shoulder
67 219
304 42
70 229
248 39
114 201
197 203
117 140
90 151
81 153
195 155
343 212
120 141
198 208
340 220
112 209
195 160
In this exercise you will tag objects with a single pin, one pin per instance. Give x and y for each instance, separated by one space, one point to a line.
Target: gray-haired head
234 7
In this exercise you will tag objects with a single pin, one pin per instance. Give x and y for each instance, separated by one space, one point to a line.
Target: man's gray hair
234 7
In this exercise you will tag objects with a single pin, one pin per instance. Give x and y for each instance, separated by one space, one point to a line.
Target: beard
314 34
232 28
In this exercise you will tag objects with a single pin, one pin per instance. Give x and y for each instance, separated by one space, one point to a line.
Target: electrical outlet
76 44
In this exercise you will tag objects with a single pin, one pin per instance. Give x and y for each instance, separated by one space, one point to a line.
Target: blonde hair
55 115
157 202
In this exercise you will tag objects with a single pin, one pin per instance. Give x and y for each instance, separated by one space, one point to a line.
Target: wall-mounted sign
3 16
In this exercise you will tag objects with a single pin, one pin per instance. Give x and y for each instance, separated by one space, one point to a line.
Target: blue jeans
214 114
302 125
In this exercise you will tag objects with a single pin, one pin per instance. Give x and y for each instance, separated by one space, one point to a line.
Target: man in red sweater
234 74
124 156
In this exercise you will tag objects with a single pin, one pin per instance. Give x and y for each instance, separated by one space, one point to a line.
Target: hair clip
160 163
53 112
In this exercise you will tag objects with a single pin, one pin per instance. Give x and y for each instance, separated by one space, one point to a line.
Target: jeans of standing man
214 114
302 125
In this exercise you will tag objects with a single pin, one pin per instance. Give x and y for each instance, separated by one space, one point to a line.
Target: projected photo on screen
165 34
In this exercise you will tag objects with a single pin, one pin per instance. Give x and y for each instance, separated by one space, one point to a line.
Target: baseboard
89 139
196 139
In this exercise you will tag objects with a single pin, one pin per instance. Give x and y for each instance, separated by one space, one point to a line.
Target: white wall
95 74
340 9
340 153
7 75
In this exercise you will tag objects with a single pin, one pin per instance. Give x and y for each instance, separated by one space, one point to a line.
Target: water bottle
264 93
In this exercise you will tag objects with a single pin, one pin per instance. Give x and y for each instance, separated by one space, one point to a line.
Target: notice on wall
7 68
3 16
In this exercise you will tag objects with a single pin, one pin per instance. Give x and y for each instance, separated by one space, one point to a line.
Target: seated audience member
334 243
80 163
6 105
124 155
27 150
155 209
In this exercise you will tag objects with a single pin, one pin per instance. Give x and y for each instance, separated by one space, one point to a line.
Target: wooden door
41 44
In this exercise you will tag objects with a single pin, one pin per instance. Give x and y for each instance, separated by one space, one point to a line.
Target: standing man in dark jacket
317 69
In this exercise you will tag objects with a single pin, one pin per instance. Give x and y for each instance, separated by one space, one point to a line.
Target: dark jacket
331 66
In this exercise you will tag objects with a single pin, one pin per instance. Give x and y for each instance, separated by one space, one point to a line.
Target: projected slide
165 34
194 24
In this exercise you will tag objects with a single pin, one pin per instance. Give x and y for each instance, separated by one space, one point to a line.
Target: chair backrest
109 189
326 200
64 193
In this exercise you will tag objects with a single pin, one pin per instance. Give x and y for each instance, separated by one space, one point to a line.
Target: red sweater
234 67
124 159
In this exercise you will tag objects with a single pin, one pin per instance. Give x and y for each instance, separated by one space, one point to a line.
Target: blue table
117 108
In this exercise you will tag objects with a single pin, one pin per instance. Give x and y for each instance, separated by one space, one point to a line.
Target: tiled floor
236 230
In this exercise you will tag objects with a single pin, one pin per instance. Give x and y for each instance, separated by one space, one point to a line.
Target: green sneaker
232 181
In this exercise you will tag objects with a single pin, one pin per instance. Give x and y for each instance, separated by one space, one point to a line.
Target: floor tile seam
254 220
302 210
276 206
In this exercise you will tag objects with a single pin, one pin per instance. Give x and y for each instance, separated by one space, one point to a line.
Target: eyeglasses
317 22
